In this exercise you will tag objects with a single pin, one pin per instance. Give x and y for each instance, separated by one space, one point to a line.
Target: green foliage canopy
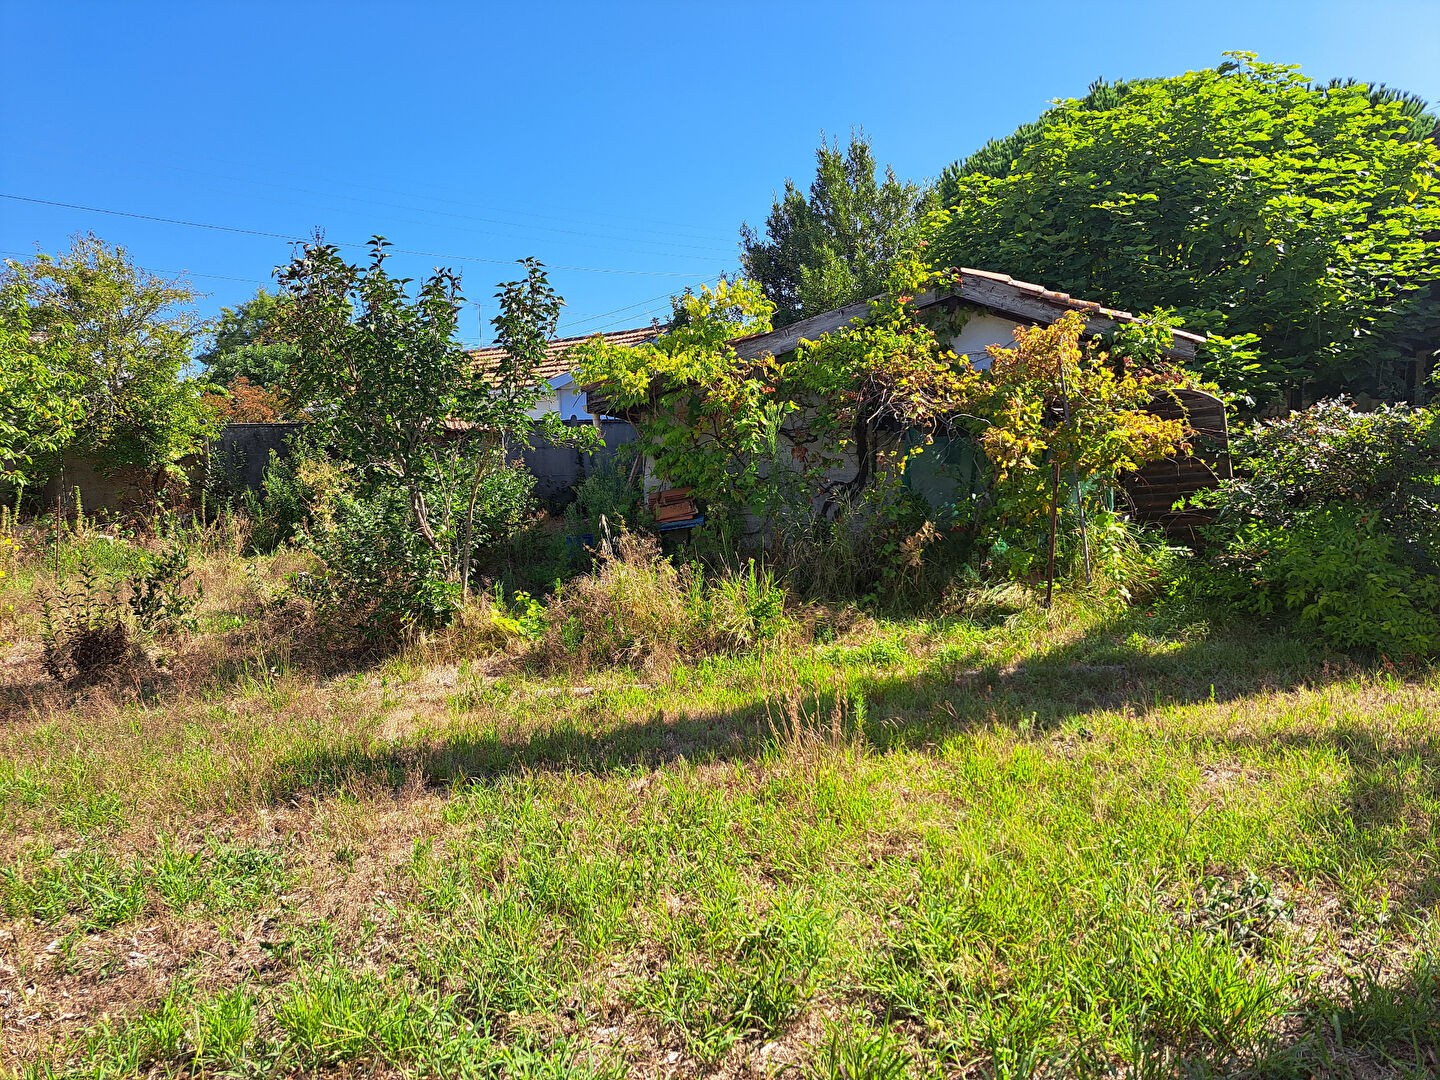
40 402
421 428
707 417
1334 517
246 344
838 244
109 344
1246 199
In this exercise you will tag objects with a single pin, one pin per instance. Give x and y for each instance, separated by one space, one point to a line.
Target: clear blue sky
629 139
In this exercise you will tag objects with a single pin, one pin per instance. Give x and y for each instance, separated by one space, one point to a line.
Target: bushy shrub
606 493
83 630
91 624
378 578
881 544
297 491
160 600
382 579
1335 518
504 504
638 609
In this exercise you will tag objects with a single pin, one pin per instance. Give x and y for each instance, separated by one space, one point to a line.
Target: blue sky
622 143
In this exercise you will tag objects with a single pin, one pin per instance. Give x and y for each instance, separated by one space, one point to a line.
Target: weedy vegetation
711 831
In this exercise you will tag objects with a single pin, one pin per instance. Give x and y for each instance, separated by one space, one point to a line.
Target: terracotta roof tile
556 362
1014 299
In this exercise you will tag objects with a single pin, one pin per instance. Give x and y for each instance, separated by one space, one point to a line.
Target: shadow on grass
1382 1025
1112 669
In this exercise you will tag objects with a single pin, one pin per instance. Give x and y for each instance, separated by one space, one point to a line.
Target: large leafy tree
998 156
247 344
40 403
402 404
112 341
1246 198
838 243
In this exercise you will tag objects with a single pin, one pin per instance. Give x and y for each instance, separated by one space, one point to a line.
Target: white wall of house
982 329
564 398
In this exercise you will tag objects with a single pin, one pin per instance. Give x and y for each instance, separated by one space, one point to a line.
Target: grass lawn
1004 843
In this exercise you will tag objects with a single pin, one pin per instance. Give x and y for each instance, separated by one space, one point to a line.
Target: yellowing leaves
1049 399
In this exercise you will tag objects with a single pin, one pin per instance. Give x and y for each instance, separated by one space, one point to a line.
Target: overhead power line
568 215
158 270
350 244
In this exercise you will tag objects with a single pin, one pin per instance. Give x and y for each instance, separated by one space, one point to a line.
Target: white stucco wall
981 330
565 398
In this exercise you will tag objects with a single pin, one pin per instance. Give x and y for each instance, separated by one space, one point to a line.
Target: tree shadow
1383 1024
1111 669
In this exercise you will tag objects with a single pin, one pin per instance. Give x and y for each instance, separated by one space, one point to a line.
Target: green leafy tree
421 429
1334 518
40 402
705 416
837 244
998 156
118 339
246 344
1245 198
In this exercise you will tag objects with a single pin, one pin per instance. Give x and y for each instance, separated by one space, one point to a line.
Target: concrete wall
558 469
245 449
97 490
983 328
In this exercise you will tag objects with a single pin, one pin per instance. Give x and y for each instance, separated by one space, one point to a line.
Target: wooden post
1054 509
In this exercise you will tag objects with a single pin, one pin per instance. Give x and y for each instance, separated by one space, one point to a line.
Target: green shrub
297 493
1335 519
880 544
606 493
1340 574
382 579
504 505
379 579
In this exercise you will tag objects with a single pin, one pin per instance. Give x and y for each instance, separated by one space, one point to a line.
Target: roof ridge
551 343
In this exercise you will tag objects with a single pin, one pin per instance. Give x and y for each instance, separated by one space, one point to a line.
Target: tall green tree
117 341
838 243
1246 198
40 403
421 429
246 344
998 156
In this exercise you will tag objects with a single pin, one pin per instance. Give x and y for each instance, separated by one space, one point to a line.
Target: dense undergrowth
1150 840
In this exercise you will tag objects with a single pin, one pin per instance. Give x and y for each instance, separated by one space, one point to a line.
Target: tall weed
638 609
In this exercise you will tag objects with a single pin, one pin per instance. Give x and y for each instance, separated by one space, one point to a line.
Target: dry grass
999 844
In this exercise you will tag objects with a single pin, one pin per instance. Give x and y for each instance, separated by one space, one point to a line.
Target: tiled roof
556 362
1061 299
1018 300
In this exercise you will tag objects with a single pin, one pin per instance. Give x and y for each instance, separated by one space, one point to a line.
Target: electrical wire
666 236
350 244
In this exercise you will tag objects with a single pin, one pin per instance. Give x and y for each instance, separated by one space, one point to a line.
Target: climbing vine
707 417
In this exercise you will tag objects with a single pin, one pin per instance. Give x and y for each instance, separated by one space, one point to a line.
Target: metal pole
1075 477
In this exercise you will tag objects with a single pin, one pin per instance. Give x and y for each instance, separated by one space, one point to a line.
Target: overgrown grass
996 842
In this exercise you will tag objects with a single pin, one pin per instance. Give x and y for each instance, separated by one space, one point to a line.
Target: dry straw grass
1003 840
